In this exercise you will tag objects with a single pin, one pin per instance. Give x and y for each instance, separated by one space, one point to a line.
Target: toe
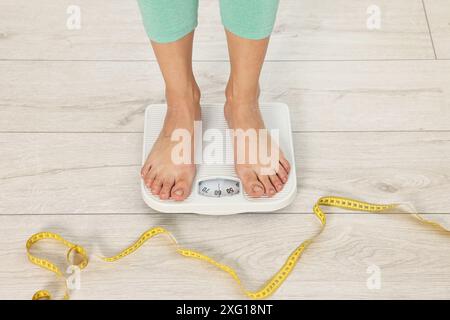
145 169
164 194
286 165
149 178
276 182
268 186
156 185
251 185
181 190
282 174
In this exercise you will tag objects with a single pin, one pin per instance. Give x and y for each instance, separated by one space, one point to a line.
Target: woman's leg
242 108
249 19
168 20
161 174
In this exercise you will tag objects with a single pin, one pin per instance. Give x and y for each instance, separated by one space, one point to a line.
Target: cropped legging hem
243 32
176 34
170 20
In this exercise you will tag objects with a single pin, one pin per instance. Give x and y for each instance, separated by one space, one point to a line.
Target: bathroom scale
216 189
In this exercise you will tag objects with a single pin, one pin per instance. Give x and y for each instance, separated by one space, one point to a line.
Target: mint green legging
170 20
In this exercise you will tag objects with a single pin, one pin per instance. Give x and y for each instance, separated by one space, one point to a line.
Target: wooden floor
371 119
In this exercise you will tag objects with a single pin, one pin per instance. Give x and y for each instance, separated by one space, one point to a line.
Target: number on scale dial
218 188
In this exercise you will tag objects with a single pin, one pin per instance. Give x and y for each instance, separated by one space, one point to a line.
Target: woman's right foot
164 177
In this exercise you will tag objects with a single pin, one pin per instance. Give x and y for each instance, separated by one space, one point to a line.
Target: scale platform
216 189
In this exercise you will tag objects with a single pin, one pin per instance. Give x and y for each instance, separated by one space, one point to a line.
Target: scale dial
218 187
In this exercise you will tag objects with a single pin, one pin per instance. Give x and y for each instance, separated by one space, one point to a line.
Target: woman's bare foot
161 175
242 112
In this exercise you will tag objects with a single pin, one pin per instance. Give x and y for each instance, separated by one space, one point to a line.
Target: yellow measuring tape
268 289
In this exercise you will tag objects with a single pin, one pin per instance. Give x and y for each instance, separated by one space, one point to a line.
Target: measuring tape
268 289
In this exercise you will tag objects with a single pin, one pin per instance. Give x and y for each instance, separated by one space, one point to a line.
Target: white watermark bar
252 146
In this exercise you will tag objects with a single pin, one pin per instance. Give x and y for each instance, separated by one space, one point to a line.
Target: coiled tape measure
267 289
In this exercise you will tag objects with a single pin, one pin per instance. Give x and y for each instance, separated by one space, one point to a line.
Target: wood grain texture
413 259
307 29
99 173
71 135
438 12
322 96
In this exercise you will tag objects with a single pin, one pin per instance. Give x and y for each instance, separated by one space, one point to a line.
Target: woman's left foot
257 178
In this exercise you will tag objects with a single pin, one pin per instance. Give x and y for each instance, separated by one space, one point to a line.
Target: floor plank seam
60 170
429 29
222 60
199 216
293 131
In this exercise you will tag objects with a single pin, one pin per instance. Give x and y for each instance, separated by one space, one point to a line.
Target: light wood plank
308 29
87 173
323 96
413 259
438 12
99 173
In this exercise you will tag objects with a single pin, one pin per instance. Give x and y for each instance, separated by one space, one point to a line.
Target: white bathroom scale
216 189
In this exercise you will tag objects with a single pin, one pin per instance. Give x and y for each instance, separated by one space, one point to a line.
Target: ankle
186 96
241 95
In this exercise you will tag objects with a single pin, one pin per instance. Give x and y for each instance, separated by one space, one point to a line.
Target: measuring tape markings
268 289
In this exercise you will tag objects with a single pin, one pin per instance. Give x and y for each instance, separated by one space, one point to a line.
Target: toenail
179 192
257 188
284 179
271 191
